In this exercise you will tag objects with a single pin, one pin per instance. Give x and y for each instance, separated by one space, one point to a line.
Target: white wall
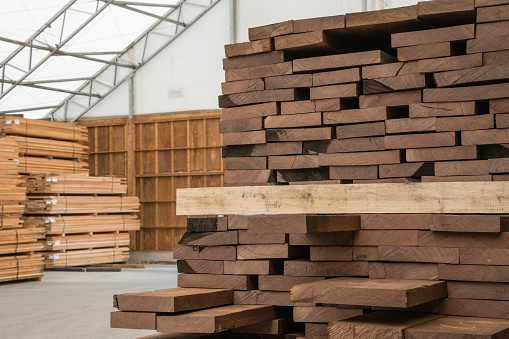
187 75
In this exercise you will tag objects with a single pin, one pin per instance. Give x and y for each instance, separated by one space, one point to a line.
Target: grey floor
75 304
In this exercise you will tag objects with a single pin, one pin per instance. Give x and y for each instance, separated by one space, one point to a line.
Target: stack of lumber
74 184
416 93
48 147
18 243
419 260
87 218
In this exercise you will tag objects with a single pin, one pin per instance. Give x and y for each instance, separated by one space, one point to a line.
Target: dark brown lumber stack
422 97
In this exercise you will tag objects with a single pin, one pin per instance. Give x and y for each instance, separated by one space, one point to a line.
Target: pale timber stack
395 98
87 219
48 147
18 242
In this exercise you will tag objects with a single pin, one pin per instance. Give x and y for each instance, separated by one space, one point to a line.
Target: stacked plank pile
48 147
18 243
416 93
427 273
87 218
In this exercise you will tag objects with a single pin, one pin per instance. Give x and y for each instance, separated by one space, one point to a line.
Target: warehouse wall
187 75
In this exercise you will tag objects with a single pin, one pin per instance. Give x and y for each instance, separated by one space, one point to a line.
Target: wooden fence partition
158 154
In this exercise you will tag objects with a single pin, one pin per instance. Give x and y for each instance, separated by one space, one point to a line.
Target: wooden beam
458 197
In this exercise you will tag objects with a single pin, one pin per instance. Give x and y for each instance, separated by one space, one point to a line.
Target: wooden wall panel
168 151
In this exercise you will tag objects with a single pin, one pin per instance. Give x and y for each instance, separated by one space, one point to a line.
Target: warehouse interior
254 168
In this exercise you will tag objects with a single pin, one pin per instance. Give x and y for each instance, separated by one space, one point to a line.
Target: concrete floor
75 304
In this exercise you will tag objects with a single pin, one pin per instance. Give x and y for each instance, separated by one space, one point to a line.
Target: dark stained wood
282 283
495 58
345 145
250 267
318 239
323 314
445 11
209 238
275 298
200 266
202 224
381 324
233 282
470 167
428 51
419 254
477 290
303 268
173 300
488 44
395 221
442 153
309 41
468 223
464 240
312 330
259 59
282 162
258 71
353 172
389 70
499 105
242 86
330 253
271 327
272 30
294 120
483 3
249 98
406 170
298 107
244 138
268 251
359 158
401 270
491 14
460 327
301 223
450 63
289 81
241 125
302 175
338 61
385 238
248 176
246 163
490 29
472 75
420 140
335 91
248 238
368 292
280 148
336 77
485 121
397 83
443 109
431 36
502 120
318 24
353 116
388 19
252 111
204 253
216 319
133 320
475 308
409 125
360 130
321 133
246 48
390 99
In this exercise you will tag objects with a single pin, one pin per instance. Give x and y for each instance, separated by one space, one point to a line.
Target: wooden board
338 61
382 324
401 270
247 48
275 298
368 292
473 273
460 327
442 153
274 327
173 300
419 254
436 35
319 239
268 251
483 197
204 253
215 320
438 109
282 283
303 268
359 158
395 221
233 282
390 99
301 223
450 63
427 51
323 314
133 320
475 308
251 267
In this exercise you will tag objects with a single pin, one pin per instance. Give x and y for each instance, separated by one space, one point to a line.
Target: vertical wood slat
162 229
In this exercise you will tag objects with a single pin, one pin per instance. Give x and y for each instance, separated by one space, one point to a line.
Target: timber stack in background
403 95
408 94
84 220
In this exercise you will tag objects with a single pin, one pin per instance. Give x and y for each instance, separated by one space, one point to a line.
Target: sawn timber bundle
416 93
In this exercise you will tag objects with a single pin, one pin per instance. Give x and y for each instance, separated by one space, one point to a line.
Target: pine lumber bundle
422 97
51 148
69 184
34 165
43 129
72 242
50 205
86 257
72 224
21 267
